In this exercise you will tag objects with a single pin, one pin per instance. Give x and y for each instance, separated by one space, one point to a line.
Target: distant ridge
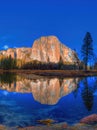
45 49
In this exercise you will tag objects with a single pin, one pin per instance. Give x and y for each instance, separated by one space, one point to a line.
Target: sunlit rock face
45 91
18 53
50 49
9 52
45 49
23 53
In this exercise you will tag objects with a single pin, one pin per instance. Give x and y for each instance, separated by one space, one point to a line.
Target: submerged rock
91 119
46 121
2 127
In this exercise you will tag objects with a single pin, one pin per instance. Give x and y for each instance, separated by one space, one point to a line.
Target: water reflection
25 100
88 91
45 91
87 94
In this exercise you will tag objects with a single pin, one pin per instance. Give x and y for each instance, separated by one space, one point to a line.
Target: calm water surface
24 101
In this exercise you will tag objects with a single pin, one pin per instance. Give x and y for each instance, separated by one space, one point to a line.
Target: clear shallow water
23 101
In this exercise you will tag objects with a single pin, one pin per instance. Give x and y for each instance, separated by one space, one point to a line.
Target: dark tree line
8 63
49 66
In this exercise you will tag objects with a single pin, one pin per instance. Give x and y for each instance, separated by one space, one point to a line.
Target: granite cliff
45 49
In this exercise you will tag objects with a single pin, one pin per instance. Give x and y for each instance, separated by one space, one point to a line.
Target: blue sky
23 21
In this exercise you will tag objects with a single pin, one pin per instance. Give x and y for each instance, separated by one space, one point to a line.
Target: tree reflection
87 95
7 78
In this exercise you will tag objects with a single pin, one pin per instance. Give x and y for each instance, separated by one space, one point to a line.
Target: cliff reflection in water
44 90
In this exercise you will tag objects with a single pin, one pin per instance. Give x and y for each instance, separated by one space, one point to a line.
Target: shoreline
57 126
54 73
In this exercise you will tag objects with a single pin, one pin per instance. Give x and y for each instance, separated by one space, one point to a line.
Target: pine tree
87 49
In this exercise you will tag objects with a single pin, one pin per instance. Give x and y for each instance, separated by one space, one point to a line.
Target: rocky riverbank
87 123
